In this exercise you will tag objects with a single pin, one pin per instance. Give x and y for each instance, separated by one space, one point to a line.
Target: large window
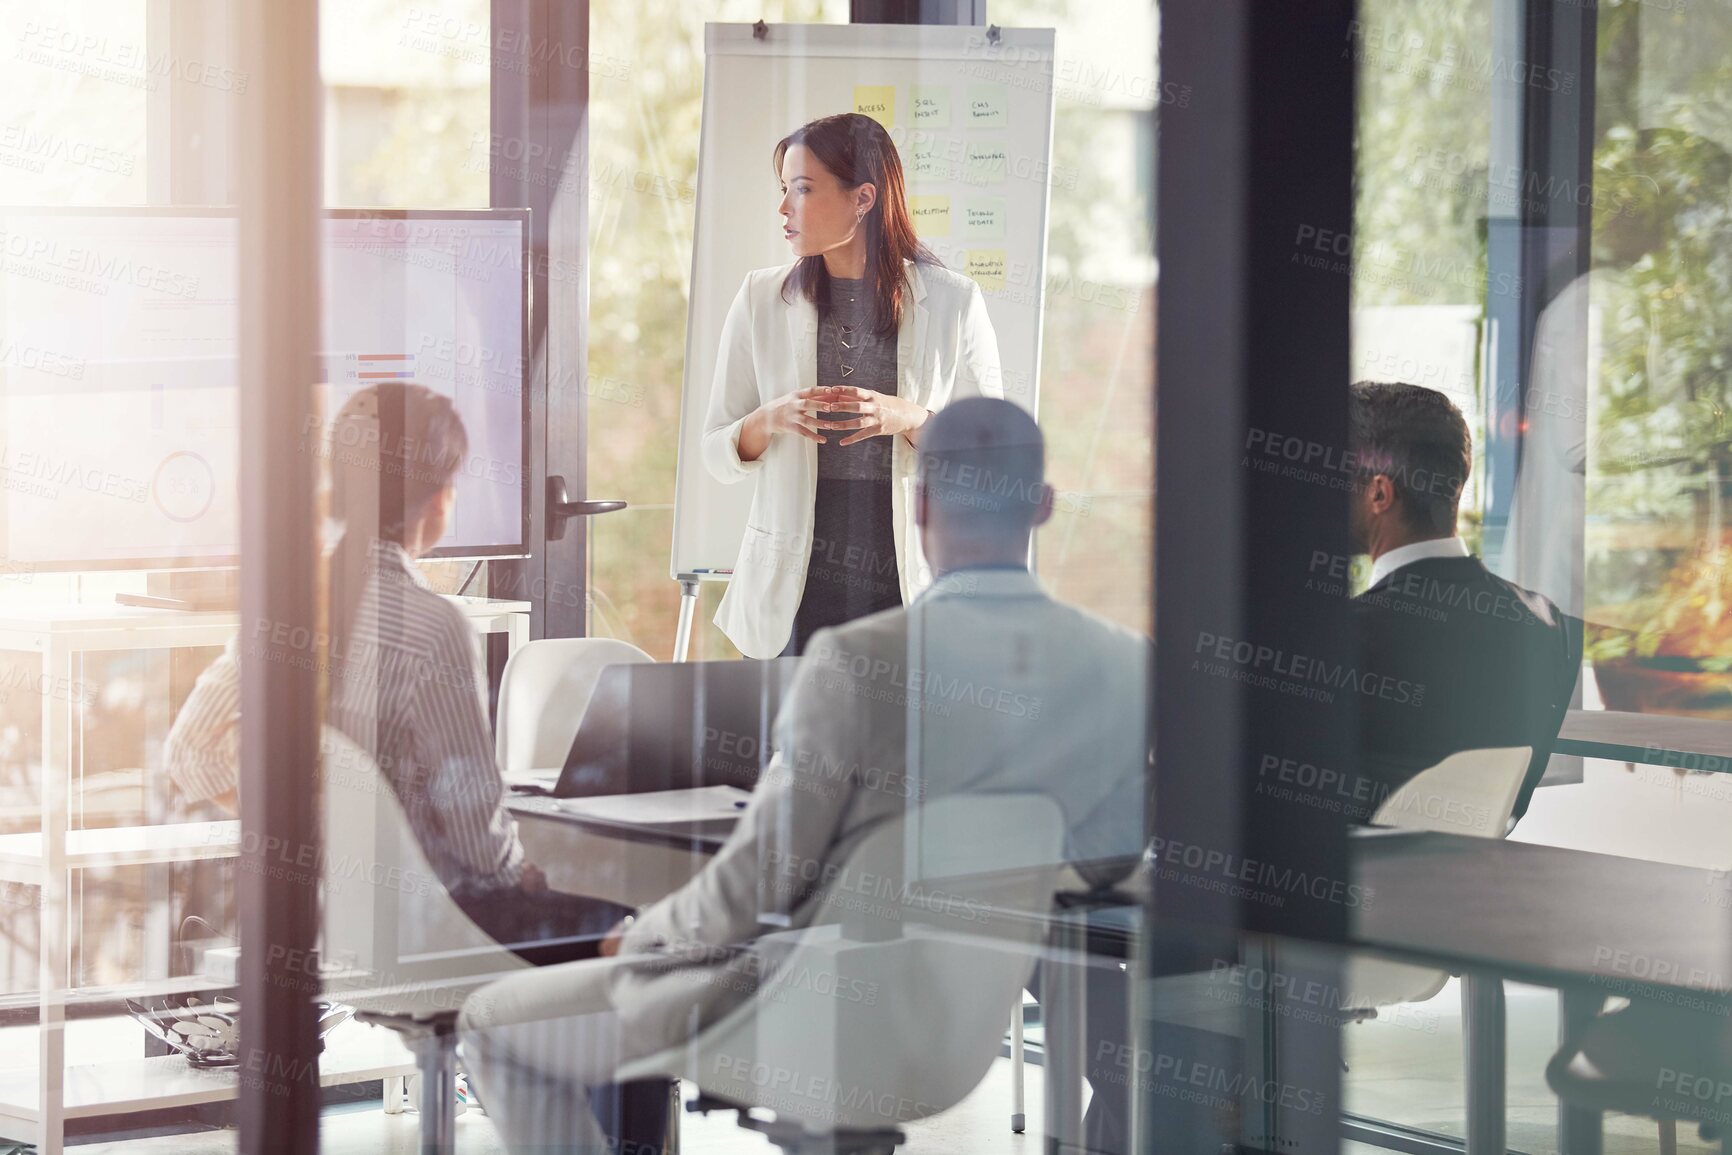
646 89
76 92
1652 434
1547 239
1096 392
406 104
118 335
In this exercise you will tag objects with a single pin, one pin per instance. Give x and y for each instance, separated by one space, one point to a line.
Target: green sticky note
988 106
926 157
983 218
930 105
986 162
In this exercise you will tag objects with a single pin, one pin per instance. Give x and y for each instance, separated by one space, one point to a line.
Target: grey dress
852 571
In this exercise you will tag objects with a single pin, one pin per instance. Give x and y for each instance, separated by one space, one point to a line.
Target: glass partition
1541 199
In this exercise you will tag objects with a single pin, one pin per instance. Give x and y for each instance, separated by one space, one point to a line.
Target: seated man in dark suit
1497 663
1493 664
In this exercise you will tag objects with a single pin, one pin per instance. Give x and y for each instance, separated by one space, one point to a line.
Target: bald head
980 487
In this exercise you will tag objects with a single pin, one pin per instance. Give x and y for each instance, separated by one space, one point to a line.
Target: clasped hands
874 414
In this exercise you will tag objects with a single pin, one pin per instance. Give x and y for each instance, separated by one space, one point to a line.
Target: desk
61 634
630 866
1587 925
1653 739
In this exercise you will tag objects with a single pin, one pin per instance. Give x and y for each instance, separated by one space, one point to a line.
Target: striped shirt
408 690
203 751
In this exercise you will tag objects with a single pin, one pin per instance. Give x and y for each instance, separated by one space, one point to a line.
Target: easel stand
688 615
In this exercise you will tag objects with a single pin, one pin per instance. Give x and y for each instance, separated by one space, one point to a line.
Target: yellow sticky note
983 218
930 104
988 106
986 267
931 215
877 101
986 163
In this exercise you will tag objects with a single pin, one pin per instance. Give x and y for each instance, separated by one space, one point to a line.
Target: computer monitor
119 372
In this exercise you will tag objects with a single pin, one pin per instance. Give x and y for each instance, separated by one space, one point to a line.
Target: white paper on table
662 809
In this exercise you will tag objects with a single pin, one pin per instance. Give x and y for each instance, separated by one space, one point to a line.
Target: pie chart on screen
184 486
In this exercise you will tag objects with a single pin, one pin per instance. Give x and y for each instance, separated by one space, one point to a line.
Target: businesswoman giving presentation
828 368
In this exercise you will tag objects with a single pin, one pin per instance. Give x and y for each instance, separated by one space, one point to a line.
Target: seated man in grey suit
983 685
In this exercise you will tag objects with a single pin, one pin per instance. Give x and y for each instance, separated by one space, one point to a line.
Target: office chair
1676 1066
396 946
542 695
1472 793
947 959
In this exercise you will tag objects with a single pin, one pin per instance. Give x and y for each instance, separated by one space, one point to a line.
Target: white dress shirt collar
1388 563
991 581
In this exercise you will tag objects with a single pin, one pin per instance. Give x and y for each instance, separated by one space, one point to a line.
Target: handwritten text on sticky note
988 107
927 161
931 215
986 163
983 218
931 105
986 267
877 101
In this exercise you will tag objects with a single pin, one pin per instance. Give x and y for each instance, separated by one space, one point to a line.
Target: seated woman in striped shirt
406 680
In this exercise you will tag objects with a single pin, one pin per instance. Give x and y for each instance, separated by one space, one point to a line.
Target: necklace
843 334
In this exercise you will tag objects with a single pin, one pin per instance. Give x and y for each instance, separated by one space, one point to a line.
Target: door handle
560 508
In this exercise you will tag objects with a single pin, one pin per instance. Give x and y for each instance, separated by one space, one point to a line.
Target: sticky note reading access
983 218
931 105
986 163
877 101
931 215
988 107
986 267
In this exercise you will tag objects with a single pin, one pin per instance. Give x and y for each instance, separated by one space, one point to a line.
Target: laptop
660 726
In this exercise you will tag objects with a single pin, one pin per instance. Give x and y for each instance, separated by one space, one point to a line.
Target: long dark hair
858 151
393 447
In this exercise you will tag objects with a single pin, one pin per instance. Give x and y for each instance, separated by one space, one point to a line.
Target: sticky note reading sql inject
988 106
877 101
930 104
983 218
931 215
986 267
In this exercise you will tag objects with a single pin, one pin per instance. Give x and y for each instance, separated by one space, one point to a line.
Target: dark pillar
1254 227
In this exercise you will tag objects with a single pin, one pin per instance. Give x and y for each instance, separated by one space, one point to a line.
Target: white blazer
945 349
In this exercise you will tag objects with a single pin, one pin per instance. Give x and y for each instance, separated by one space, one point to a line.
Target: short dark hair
1418 439
982 465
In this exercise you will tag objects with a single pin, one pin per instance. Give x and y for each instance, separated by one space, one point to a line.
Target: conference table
1588 926
629 865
